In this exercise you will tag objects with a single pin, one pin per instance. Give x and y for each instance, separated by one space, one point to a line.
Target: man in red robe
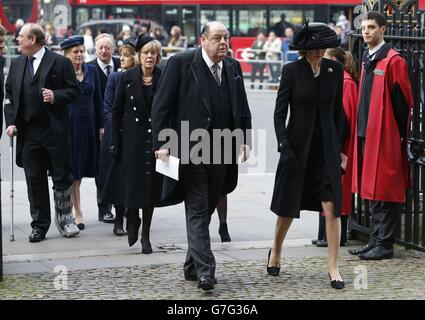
380 168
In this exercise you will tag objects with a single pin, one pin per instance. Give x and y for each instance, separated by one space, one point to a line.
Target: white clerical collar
209 62
376 49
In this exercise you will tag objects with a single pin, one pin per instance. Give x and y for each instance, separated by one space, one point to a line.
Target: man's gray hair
105 36
36 31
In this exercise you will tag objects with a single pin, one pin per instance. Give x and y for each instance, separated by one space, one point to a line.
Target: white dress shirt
210 63
104 65
37 59
375 50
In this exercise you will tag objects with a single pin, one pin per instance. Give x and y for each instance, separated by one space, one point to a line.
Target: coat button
149 130
128 85
134 108
149 120
137 119
131 97
208 119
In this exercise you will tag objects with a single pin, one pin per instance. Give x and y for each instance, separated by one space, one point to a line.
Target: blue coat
86 120
108 100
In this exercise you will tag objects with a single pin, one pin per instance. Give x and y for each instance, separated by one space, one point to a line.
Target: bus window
189 24
82 15
171 17
248 22
98 13
15 10
224 17
294 17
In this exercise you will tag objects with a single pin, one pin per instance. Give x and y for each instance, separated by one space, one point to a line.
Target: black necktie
214 69
108 70
31 66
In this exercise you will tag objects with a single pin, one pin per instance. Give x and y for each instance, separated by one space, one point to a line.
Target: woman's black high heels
273 271
336 284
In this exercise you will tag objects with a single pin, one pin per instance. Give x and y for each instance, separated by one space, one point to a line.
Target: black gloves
288 157
114 151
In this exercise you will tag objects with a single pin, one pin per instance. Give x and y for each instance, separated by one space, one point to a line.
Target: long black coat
183 95
297 92
132 181
56 74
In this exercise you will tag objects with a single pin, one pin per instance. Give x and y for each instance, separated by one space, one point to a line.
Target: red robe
350 101
383 175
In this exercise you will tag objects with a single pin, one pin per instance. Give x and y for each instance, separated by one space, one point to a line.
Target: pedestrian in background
258 54
308 175
273 55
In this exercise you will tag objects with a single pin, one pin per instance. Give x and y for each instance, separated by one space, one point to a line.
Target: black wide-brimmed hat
314 35
72 42
142 39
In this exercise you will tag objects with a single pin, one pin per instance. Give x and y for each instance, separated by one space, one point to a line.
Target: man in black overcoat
105 64
202 89
39 86
3 33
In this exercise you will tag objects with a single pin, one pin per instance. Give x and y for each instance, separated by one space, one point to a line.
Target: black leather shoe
224 233
108 217
313 242
192 277
363 250
322 244
37 235
273 271
206 283
378 253
336 284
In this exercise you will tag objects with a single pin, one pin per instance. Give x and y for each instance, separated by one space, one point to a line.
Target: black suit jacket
183 95
2 61
57 74
102 75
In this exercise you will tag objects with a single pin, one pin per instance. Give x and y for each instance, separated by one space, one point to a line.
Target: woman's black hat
314 35
143 39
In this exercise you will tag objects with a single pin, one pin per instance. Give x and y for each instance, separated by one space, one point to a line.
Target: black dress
317 185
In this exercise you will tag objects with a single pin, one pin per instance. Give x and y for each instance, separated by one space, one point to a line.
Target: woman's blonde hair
155 45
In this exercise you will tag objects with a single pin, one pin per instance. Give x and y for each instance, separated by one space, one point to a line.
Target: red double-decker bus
243 18
12 10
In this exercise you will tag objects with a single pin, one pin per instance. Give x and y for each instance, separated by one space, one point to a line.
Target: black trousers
385 218
39 154
201 186
257 67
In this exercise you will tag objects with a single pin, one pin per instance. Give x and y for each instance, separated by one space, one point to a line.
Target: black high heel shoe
273 271
336 284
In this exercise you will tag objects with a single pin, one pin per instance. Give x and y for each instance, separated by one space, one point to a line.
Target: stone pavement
98 265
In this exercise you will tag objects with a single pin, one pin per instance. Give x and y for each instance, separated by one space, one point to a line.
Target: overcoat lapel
200 78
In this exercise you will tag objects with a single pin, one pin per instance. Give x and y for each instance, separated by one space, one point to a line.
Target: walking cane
12 232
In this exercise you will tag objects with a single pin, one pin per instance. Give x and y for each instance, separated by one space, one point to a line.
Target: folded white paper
169 168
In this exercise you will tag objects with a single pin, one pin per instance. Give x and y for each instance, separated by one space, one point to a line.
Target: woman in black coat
132 181
308 175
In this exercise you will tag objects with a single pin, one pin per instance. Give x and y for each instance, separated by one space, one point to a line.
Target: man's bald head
213 26
36 31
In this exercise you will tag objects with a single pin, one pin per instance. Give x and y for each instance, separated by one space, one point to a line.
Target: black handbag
416 151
